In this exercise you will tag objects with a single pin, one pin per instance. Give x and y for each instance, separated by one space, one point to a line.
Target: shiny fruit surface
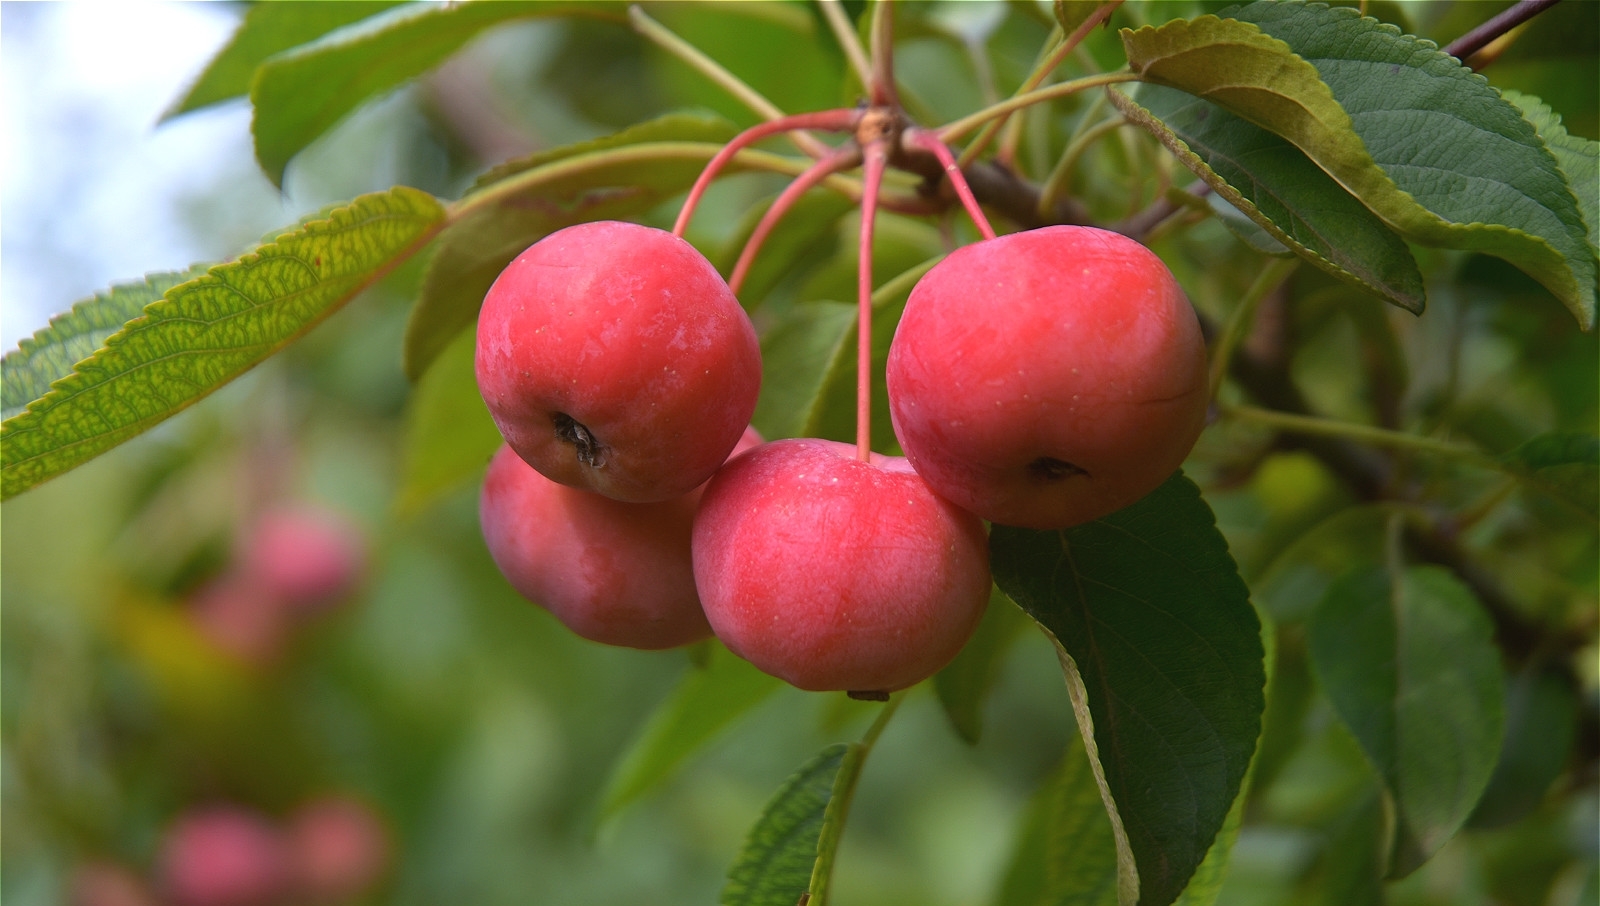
1047 378
614 358
837 574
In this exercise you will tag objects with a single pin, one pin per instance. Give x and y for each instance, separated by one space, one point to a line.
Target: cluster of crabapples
296 561
1039 379
331 850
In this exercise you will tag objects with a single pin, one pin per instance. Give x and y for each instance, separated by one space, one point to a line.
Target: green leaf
1578 157
1206 884
1349 870
708 699
27 372
964 684
1280 190
267 29
1541 722
1421 140
779 856
207 331
615 177
1564 465
302 93
1065 853
1411 668
1297 579
1153 620
797 354
449 435
831 413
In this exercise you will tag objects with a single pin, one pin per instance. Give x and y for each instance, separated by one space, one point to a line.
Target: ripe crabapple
240 618
612 572
614 358
1047 378
223 856
338 849
306 556
836 574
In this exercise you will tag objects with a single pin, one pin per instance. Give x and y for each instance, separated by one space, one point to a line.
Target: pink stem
842 120
875 158
841 158
928 141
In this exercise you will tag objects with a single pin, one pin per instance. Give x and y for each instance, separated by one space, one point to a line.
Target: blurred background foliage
484 734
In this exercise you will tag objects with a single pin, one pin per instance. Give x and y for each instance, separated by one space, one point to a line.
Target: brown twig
1475 40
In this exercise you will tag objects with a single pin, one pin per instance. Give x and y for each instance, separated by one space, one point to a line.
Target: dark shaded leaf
1148 604
1280 190
1418 138
1411 668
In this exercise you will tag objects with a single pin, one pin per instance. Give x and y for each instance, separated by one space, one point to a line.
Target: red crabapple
223 856
306 556
836 574
240 618
1047 378
612 572
614 358
338 849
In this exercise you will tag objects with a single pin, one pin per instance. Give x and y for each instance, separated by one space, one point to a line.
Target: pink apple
223 856
338 849
1047 378
309 557
614 358
612 572
241 618
837 574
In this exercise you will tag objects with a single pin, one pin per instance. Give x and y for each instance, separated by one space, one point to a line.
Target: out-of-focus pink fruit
614 358
307 556
223 856
108 884
240 618
837 574
1047 378
612 572
338 849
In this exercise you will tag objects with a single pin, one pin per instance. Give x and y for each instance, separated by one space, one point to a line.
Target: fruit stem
838 810
849 41
952 131
882 88
833 120
1270 278
1040 72
875 156
711 69
928 141
836 160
